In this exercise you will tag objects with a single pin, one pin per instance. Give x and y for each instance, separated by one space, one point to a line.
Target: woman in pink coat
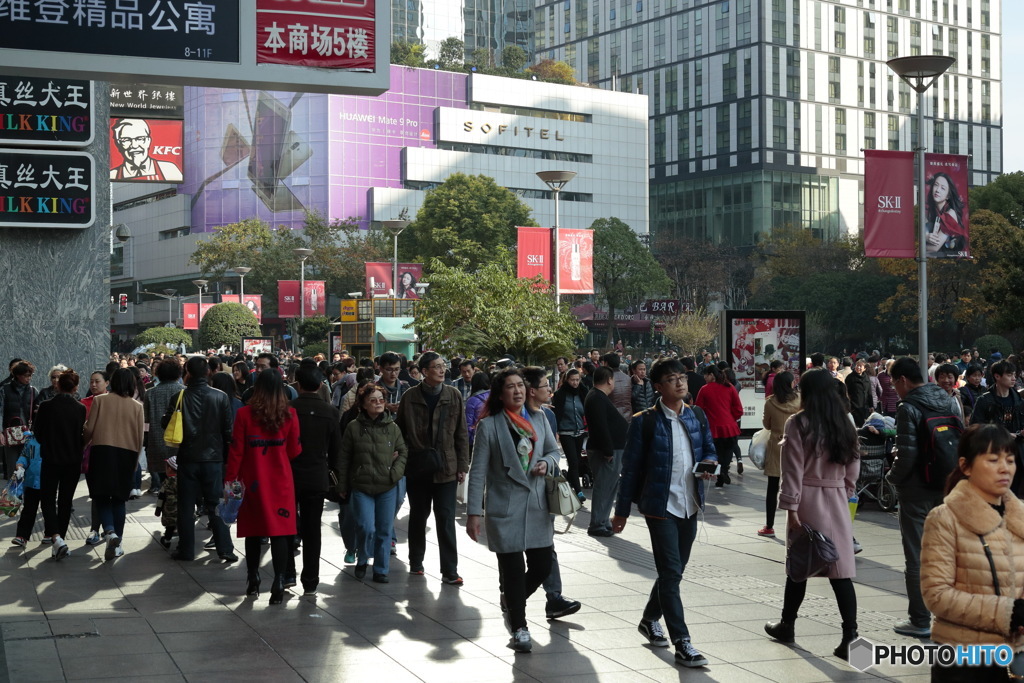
264 442
820 466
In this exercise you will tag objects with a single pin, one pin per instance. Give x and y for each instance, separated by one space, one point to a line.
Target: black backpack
938 438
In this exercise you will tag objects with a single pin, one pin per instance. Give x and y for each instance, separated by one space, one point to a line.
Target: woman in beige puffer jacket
957 581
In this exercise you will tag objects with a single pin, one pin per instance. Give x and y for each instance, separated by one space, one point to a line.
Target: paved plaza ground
146 617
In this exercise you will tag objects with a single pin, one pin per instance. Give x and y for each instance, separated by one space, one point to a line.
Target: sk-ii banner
946 206
534 253
378 279
315 299
889 204
575 261
194 313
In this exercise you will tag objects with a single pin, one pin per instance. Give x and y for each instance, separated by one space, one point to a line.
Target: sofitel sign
502 128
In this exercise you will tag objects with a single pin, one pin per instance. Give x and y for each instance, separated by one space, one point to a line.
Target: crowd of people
644 434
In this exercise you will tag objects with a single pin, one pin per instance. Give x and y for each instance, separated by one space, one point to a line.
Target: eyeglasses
544 386
673 379
376 400
140 140
437 366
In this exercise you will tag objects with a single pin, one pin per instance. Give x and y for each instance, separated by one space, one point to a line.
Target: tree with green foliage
340 251
314 329
513 58
464 221
1004 195
451 54
408 53
166 336
625 271
488 311
225 325
554 72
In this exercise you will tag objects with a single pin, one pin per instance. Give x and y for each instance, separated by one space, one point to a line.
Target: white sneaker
521 641
113 547
60 549
94 538
136 493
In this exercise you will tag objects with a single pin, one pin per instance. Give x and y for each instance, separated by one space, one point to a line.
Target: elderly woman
513 451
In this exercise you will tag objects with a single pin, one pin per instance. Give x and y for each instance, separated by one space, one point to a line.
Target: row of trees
452 57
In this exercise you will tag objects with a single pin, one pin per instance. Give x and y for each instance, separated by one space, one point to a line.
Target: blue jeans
671 541
111 513
375 517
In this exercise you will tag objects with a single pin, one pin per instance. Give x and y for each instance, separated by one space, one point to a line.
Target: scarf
528 436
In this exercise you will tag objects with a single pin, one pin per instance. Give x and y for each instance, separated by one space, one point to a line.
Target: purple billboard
273 155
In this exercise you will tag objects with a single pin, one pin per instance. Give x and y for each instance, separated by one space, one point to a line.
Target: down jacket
956 578
368 463
647 474
906 473
774 420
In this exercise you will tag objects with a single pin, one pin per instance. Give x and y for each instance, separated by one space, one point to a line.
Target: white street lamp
303 254
920 73
556 180
395 228
241 270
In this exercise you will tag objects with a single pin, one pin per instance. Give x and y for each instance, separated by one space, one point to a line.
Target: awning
395 330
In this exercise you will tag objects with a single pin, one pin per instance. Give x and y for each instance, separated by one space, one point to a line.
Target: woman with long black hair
820 466
946 234
720 401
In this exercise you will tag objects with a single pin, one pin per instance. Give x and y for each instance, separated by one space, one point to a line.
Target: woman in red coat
264 442
721 403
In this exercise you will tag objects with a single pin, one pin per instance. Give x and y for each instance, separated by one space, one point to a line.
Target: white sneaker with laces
520 640
687 655
60 549
113 547
652 631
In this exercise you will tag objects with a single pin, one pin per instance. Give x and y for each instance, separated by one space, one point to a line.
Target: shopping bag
11 497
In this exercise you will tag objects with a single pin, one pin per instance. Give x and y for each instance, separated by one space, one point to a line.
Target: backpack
938 438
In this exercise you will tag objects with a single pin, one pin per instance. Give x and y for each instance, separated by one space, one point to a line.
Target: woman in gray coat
512 452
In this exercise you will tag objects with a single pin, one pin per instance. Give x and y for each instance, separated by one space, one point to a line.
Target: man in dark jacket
657 475
604 448
694 380
1001 404
320 435
642 390
432 414
622 394
907 475
206 433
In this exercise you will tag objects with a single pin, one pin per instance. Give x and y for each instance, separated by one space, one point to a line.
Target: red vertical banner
378 279
190 313
946 206
889 204
254 302
314 298
203 308
288 298
534 253
575 261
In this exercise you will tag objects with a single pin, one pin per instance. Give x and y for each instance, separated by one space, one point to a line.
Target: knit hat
172 462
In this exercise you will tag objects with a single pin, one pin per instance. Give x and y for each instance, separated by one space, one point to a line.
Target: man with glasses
432 416
133 140
663 444
915 496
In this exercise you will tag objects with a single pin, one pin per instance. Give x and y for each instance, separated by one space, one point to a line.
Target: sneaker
210 545
600 532
766 531
394 549
455 580
228 557
360 571
856 547
136 493
166 539
94 538
380 578
908 628
652 631
520 640
739 467
582 497
561 607
47 540
60 549
350 557
19 541
416 570
113 545
687 655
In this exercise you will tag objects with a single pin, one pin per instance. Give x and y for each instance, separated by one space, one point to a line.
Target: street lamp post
556 180
201 284
921 72
303 254
169 293
242 271
395 228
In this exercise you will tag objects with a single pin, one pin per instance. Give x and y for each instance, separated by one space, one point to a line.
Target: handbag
758 448
1015 669
562 499
812 553
426 462
228 507
175 431
15 435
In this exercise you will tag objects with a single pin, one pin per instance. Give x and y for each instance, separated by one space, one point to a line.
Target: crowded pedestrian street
147 617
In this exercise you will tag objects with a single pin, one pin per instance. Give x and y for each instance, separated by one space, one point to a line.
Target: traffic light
122 303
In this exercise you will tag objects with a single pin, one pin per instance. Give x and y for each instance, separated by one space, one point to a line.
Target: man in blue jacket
662 446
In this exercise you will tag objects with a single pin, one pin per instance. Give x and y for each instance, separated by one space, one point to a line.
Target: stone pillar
55 297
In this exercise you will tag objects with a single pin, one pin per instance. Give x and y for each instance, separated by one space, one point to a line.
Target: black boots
277 590
253 587
782 631
843 649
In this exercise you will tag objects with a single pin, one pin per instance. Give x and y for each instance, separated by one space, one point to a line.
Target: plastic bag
227 509
11 497
759 447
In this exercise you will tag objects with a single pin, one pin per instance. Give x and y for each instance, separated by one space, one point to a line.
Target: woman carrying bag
820 466
972 554
513 451
783 403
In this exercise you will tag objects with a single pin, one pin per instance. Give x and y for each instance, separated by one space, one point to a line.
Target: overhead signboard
293 45
147 100
147 151
45 112
44 189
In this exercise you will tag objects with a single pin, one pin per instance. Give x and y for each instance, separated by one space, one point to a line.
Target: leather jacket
206 433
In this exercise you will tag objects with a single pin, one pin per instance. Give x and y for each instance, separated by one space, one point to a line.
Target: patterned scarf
528 437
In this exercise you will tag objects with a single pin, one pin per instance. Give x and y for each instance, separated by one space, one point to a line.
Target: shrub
987 342
225 325
167 336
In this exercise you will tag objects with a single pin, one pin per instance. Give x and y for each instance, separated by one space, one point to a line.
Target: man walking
622 395
915 496
432 416
1001 404
320 434
604 448
206 433
663 445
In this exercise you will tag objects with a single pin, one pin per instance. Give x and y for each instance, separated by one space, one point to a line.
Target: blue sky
1013 85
